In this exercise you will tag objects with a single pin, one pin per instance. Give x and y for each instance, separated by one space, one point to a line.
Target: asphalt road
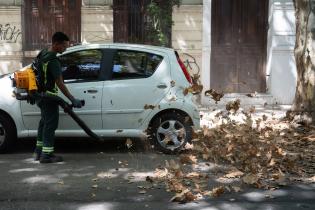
109 176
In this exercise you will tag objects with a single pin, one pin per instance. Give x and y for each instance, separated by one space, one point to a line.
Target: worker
51 67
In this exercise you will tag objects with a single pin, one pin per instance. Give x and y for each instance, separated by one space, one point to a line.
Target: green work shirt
52 67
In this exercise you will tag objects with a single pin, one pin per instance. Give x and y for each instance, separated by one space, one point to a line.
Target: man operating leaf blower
49 69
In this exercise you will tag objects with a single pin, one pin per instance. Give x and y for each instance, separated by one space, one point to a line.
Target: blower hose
69 110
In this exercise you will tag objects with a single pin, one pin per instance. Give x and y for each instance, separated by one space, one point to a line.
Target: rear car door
138 83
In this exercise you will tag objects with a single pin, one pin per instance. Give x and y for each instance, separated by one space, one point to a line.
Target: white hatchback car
129 91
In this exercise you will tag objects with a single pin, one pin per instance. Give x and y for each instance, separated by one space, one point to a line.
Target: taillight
182 66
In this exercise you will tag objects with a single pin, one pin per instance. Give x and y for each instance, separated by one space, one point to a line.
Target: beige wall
97 24
187 31
97 27
10 39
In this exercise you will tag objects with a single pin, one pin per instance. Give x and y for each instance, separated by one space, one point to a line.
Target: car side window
83 65
134 64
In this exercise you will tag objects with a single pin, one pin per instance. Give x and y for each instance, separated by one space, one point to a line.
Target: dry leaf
189 196
147 106
233 105
185 196
264 117
179 174
272 162
236 189
172 164
142 192
128 143
216 192
192 159
234 174
214 94
250 179
193 175
175 185
252 109
186 91
61 183
251 95
196 89
149 179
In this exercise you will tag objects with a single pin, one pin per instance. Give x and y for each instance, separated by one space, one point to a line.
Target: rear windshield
134 64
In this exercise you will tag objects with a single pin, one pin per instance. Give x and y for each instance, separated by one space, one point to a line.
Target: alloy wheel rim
171 134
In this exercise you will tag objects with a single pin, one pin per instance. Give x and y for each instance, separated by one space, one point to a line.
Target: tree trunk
305 57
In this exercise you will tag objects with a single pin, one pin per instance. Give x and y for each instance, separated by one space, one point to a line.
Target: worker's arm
75 102
63 88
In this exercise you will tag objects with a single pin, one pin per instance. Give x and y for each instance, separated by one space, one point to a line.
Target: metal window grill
42 18
132 24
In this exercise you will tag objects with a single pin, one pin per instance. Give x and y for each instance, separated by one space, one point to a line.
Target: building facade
241 46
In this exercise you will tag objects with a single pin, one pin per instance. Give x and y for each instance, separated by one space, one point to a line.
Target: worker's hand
76 103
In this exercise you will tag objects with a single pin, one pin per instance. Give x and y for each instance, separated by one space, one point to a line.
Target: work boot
50 158
37 154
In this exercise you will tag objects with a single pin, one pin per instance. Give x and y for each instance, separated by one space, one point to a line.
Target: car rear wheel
7 133
170 132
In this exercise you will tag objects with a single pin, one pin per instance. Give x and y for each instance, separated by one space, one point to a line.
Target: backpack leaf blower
25 86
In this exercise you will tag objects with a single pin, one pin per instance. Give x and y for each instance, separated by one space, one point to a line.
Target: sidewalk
258 111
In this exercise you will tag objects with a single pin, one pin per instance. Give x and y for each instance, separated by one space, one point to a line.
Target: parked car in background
129 91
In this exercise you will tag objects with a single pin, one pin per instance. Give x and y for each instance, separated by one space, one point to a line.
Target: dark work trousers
47 125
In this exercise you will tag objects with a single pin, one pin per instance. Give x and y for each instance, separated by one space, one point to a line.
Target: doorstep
257 99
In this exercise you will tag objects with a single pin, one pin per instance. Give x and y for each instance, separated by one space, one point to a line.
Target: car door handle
92 91
162 86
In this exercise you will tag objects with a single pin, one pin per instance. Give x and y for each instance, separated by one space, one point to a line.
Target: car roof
120 46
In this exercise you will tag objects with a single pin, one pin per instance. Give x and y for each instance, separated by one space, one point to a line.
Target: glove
76 103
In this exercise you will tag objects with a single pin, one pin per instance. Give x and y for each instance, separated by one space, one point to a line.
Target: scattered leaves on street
263 152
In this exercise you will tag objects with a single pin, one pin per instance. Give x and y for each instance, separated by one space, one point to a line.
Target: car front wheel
7 133
170 132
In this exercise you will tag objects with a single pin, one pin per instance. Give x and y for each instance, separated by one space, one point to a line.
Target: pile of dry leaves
262 152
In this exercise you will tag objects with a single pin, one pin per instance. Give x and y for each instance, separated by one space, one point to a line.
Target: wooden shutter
238 45
42 18
121 18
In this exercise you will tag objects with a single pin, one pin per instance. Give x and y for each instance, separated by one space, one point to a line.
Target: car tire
170 132
7 133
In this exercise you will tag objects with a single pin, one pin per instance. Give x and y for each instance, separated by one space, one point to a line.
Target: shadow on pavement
86 145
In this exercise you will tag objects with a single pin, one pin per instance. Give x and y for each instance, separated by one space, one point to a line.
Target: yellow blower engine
24 83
